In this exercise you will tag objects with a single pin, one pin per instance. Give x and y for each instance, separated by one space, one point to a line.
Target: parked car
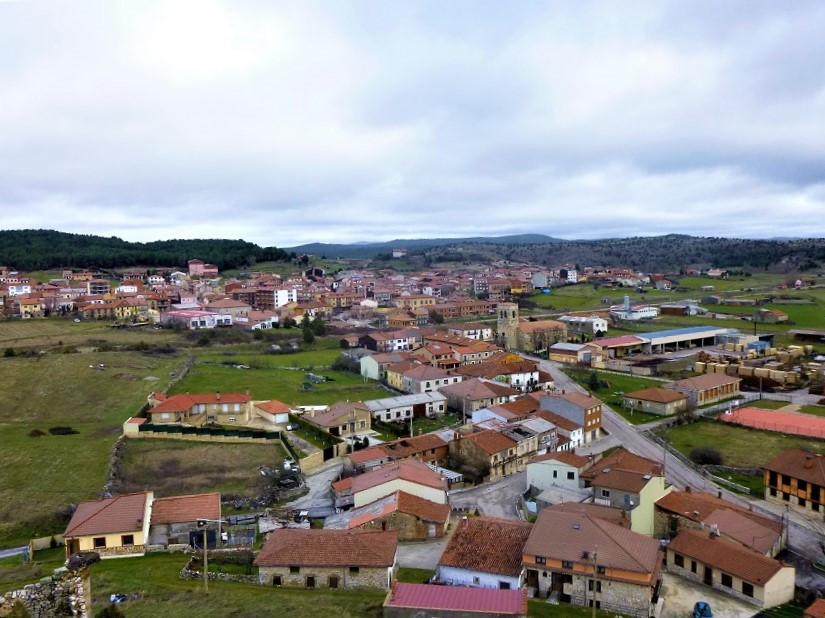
702 610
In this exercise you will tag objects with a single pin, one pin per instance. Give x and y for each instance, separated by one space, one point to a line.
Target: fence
216 434
768 420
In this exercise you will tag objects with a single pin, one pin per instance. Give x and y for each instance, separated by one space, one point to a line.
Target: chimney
719 494
714 531
687 489
465 522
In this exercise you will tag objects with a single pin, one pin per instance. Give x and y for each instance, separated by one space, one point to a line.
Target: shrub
36 433
9 352
703 455
111 611
62 431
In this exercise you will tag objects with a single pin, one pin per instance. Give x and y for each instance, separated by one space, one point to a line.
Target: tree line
29 250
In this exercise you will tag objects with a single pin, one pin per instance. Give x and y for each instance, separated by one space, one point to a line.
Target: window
476 580
773 492
747 589
541 560
801 485
571 476
605 493
727 580
692 566
294 569
100 541
555 473
786 496
566 564
814 506
801 501
355 570
231 419
225 407
600 570
504 585
590 586
786 480
679 560
127 539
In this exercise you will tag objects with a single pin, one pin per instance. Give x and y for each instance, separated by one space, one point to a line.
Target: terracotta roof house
407 475
656 400
731 568
681 510
796 478
422 379
625 460
554 477
200 408
415 518
489 452
474 394
707 388
345 559
272 411
112 527
342 418
816 609
175 519
579 408
566 552
614 516
485 552
407 600
571 434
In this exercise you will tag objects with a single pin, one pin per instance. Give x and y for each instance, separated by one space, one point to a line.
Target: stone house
336 559
416 519
489 452
342 419
474 394
174 519
113 527
584 560
485 552
731 568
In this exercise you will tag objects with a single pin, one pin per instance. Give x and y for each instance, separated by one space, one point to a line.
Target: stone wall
410 527
374 578
621 597
65 593
188 572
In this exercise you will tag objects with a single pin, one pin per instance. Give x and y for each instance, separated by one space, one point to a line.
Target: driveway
493 499
319 487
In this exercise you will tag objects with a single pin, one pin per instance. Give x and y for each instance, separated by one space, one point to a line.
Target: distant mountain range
371 249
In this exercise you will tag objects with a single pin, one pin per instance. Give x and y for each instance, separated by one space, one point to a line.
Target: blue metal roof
675 332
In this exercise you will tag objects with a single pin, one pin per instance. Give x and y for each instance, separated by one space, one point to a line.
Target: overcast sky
290 122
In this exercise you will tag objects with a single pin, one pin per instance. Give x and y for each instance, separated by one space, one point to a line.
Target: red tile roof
490 441
329 548
182 403
410 470
475 389
401 502
182 509
608 513
567 457
429 597
273 406
703 382
117 514
725 555
622 459
656 395
487 544
799 464
817 609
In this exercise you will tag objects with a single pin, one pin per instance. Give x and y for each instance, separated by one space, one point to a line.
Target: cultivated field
177 467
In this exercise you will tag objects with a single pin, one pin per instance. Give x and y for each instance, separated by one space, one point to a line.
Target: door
310 582
419 410
708 579
333 581
532 578
431 531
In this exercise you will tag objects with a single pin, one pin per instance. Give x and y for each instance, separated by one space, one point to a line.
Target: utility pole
595 582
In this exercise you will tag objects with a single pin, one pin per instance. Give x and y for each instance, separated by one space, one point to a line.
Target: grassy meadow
44 474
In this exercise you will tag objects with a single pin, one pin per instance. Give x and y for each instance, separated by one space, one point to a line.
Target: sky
283 123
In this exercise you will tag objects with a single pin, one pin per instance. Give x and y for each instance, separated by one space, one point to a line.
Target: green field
177 467
310 359
741 446
281 384
51 334
44 474
617 385
14 573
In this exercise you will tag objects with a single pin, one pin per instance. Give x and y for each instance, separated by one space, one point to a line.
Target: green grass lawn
426 425
154 580
310 359
47 334
767 404
542 609
44 474
281 384
813 409
741 446
176 467
617 385
410 575
789 610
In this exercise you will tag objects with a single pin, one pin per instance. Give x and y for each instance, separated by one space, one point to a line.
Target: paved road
319 488
804 535
13 551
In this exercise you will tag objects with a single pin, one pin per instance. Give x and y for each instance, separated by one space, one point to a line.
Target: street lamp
203 523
